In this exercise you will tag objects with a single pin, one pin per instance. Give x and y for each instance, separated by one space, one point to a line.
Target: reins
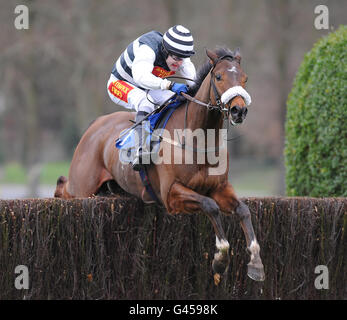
219 106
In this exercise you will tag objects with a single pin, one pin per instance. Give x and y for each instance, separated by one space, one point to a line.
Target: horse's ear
237 55
213 57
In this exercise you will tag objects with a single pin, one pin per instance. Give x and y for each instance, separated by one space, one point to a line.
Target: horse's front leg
181 199
255 266
228 203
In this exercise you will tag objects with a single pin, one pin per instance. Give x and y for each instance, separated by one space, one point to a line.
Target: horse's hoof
256 271
216 278
220 264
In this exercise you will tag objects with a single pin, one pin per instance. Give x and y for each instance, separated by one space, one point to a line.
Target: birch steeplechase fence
118 248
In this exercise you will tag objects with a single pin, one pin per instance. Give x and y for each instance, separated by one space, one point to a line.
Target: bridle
219 105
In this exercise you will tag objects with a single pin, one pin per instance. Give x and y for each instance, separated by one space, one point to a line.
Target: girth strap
147 184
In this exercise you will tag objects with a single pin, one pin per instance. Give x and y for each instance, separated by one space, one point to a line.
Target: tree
316 131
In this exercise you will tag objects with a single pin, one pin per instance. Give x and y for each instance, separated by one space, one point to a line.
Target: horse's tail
60 187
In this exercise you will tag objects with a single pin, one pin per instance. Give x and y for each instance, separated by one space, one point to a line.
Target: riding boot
137 162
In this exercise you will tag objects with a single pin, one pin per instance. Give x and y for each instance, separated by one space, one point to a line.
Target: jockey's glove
178 87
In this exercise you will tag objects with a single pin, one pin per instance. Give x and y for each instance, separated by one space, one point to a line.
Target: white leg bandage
222 245
254 248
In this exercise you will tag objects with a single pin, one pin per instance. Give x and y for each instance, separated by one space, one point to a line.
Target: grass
14 173
254 178
51 172
248 177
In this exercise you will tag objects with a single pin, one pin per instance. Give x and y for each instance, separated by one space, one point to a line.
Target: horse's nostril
235 110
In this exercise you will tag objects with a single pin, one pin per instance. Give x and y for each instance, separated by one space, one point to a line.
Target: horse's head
228 84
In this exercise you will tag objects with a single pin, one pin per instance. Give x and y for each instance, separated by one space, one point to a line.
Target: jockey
137 78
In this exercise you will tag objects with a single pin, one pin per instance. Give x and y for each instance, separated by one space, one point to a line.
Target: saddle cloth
126 143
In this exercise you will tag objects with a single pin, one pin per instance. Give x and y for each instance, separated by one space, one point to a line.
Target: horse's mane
205 69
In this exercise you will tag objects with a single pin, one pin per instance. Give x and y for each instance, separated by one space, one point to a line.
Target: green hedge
101 248
316 127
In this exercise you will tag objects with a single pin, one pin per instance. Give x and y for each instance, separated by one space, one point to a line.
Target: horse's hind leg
255 266
184 200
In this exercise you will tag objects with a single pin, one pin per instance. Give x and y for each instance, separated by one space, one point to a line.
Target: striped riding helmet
179 41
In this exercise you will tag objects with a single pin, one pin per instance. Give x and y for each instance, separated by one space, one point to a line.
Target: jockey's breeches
129 96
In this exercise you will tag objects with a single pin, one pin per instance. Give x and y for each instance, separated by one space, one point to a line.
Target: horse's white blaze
236 91
233 69
222 244
254 248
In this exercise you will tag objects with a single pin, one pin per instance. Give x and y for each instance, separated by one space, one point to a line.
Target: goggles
176 58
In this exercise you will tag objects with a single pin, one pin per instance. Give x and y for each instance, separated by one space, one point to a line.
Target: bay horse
182 188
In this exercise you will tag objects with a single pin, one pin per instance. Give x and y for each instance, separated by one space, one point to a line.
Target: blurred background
53 77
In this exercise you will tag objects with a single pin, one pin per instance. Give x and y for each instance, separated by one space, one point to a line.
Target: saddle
158 119
126 143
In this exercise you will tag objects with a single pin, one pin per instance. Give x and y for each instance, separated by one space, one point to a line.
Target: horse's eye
218 77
